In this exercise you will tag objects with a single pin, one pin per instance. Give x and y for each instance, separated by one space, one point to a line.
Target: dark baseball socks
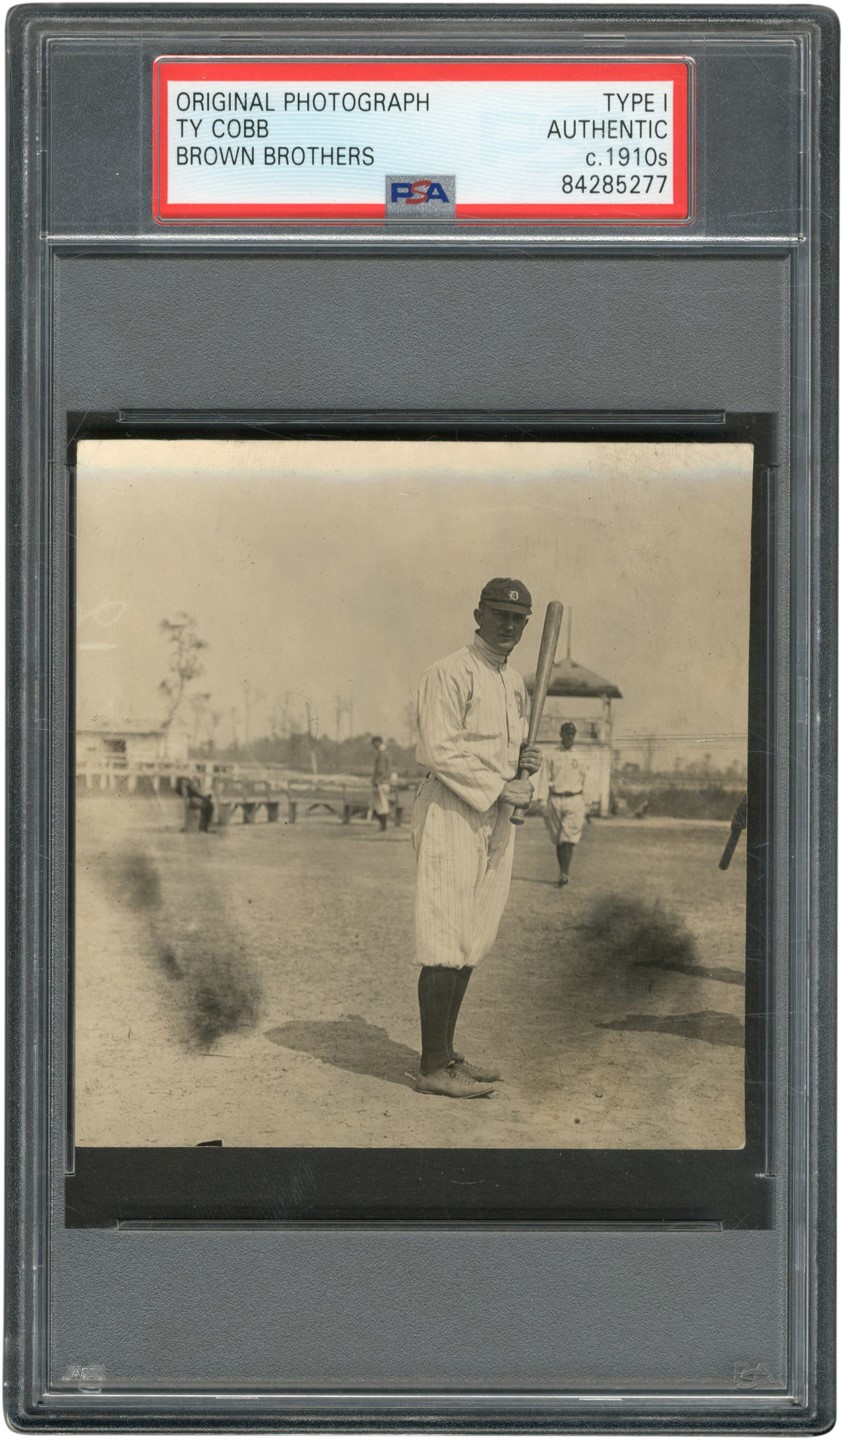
563 855
463 977
441 991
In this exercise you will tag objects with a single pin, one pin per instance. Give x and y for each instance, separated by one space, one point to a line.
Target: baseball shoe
477 1069
453 1082
561 882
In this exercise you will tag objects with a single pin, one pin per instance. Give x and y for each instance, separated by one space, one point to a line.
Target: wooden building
111 752
579 694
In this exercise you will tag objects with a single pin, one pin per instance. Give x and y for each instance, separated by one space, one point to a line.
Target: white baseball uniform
472 714
380 781
562 779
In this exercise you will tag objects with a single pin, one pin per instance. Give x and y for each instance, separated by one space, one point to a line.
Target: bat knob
517 817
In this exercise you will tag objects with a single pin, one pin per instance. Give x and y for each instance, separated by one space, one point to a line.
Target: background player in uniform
380 781
563 777
472 715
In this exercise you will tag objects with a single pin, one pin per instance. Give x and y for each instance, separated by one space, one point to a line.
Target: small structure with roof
112 753
579 694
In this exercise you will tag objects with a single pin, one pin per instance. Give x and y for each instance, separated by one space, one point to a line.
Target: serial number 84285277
613 184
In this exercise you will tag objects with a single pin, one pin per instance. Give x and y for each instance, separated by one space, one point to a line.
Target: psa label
420 197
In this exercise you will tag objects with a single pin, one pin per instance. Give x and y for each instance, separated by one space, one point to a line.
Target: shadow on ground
350 1044
724 973
708 1025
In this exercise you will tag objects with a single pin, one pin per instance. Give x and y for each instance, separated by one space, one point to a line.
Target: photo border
730 1189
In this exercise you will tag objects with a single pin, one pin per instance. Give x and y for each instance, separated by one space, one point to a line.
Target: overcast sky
318 568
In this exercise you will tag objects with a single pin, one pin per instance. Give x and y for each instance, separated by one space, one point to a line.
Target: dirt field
257 987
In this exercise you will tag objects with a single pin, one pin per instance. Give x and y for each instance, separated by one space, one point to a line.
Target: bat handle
519 813
731 846
738 824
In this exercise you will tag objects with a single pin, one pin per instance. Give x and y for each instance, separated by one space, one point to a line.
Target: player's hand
517 792
530 759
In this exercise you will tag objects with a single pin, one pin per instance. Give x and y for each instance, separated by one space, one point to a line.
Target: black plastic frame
28 748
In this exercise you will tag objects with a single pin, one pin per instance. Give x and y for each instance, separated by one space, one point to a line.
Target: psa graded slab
421 580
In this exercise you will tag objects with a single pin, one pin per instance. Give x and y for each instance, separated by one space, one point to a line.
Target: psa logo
417 192
412 197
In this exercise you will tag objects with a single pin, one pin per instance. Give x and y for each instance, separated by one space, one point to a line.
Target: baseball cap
506 594
567 725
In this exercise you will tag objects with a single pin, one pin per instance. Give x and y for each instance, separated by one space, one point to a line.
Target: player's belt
566 794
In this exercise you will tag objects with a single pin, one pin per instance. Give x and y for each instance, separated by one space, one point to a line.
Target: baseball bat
730 848
547 655
738 824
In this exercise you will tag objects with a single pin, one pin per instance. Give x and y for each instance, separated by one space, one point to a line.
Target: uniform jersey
561 784
472 716
472 721
383 767
564 773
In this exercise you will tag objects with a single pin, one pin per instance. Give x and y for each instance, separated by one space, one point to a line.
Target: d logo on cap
505 593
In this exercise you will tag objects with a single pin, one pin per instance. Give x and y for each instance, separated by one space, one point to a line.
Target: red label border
681 71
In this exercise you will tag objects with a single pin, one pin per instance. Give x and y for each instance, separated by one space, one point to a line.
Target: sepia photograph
410 773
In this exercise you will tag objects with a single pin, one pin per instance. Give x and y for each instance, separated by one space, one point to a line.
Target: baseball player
380 781
472 713
562 782
190 791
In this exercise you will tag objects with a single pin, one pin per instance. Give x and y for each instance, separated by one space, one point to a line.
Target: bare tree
184 664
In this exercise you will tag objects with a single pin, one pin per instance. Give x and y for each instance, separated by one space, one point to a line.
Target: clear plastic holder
617 1290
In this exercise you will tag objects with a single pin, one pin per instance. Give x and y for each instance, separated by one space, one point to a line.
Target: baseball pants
380 799
565 819
463 870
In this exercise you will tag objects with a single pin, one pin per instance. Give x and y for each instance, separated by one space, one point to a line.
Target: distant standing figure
380 781
564 776
190 791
